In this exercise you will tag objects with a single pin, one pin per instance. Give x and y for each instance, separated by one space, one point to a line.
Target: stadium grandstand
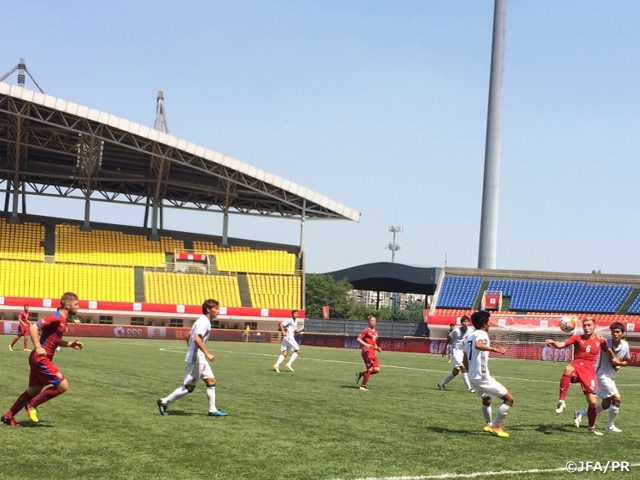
607 298
144 275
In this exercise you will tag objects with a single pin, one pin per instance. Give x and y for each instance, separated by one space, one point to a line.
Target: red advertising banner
491 301
158 333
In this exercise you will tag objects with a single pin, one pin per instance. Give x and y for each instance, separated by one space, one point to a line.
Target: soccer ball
567 324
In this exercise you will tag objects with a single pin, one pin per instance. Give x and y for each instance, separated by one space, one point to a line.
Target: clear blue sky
380 106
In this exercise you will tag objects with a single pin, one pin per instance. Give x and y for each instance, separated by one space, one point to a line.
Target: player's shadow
180 413
453 431
352 386
36 425
547 429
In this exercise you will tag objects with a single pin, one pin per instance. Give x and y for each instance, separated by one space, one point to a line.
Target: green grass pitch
310 424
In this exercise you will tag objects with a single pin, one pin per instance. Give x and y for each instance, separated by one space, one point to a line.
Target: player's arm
75 344
444 349
281 327
554 344
34 333
362 342
301 330
465 360
481 346
198 341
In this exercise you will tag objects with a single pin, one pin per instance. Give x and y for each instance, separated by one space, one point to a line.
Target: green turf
313 423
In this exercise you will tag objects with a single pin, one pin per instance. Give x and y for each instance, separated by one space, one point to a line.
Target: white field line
171 350
477 474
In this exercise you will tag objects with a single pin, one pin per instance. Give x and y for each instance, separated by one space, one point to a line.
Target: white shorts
606 387
289 344
195 371
488 387
456 358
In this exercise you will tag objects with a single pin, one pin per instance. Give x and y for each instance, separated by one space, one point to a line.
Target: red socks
45 396
592 413
20 403
565 382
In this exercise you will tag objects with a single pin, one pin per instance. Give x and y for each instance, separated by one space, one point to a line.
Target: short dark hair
480 319
26 305
294 311
370 317
68 297
208 305
617 326
463 318
452 324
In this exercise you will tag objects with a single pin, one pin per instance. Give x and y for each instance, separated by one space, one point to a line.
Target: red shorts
370 359
585 374
43 371
23 331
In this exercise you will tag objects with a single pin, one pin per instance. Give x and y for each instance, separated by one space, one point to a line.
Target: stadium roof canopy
52 147
390 277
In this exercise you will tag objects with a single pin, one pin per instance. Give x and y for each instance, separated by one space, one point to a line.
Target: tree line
323 290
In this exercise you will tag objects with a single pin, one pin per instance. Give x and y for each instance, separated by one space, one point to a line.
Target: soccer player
368 338
476 358
447 345
23 329
197 362
606 372
46 335
586 348
457 338
288 328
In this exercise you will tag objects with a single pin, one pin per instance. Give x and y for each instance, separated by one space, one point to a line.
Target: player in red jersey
368 338
24 329
43 370
586 348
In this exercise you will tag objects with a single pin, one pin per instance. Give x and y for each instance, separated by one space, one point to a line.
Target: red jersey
24 319
369 336
52 328
586 350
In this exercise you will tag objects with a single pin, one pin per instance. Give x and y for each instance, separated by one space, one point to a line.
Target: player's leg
465 379
450 376
191 374
614 408
368 362
486 413
48 374
25 337
206 374
296 351
284 350
565 382
17 337
503 409
592 412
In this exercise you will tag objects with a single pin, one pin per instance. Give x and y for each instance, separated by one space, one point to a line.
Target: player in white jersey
456 338
607 372
476 358
197 362
288 328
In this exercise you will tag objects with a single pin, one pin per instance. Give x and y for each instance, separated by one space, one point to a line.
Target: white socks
465 379
280 360
500 414
599 407
293 357
447 379
211 395
486 411
176 394
613 413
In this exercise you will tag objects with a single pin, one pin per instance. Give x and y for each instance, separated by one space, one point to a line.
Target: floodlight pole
302 256
489 216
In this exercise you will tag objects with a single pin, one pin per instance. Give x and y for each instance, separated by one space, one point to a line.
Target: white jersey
202 327
478 359
457 337
290 325
605 367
